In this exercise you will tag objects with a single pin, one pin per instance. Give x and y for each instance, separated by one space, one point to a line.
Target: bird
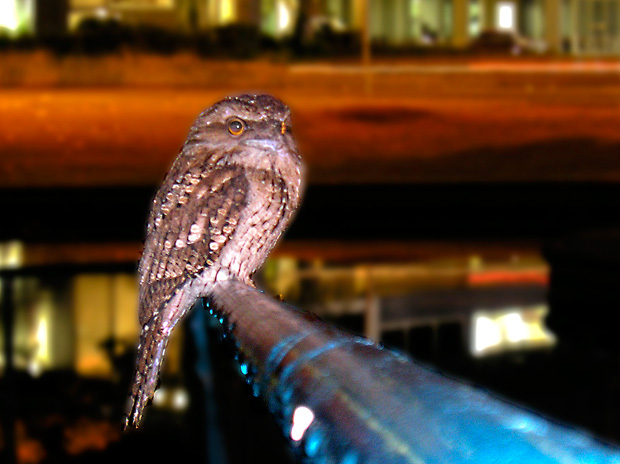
229 195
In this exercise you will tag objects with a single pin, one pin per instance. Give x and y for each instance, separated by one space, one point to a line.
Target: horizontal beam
342 398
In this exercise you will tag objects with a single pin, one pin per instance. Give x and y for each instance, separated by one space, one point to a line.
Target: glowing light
42 338
16 16
227 11
511 328
284 17
302 418
509 276
8 15
171 398
160 397
180 400
487 334
11 254
101 12
475 262
35 369
505 15
516 330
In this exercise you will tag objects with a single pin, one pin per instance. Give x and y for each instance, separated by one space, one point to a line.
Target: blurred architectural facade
68 317
559 26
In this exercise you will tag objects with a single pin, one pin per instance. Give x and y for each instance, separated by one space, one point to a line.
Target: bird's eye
236 127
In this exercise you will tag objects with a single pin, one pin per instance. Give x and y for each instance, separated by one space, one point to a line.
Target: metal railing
344 399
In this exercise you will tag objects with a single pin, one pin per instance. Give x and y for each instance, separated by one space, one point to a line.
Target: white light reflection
180 400
176 399
302 418
160 397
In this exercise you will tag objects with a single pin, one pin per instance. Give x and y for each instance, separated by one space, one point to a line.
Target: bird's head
253 131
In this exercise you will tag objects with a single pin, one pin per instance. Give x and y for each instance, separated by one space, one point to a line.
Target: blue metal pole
344 399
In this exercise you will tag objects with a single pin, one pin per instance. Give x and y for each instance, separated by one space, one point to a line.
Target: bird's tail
150 356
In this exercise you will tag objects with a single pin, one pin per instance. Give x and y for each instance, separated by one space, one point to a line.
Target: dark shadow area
478 211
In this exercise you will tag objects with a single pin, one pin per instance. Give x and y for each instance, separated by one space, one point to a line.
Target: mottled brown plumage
222 207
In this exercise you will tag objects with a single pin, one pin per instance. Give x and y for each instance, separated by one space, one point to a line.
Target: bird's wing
187 230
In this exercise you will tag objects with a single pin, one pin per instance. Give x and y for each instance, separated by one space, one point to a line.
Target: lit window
8 15
227 11
509 329
284 17
487 334
16 16
506 15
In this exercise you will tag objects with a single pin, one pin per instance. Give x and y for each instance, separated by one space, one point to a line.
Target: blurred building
64 318
159 13
569 26
74 311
